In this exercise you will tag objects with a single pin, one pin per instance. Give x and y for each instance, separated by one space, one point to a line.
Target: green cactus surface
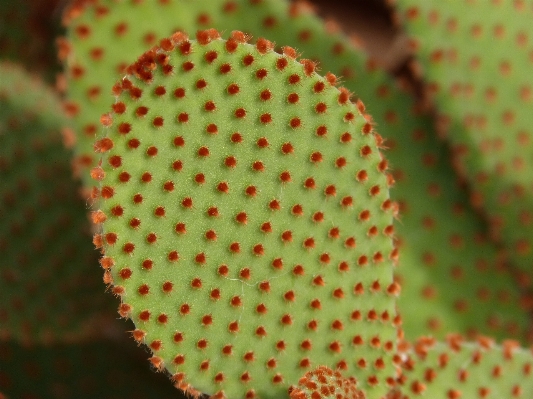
50 289
243 195
459 369
444 251
476 64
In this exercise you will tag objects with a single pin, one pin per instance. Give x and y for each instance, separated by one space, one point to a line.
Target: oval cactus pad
246 220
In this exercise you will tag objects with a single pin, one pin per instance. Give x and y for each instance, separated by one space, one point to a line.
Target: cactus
452 278
228 223
476 67
458 369
487 309
50 290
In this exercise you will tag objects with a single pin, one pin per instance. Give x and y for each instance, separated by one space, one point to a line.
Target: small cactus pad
49 289
476 58
100 369
445 262
324 383
460 369
241 197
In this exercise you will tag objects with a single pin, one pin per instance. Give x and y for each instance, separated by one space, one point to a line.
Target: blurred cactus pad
241 196
477 65
49 287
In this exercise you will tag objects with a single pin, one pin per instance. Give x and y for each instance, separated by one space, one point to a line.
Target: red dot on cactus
178 337
159 211
364 215
134 143
173 256
180 228
365 151
202 344
240 113
248 60
225 68
137 199
125 273
259 250
266 227
290 296
321 108
144 289
212 128
160 91
124 128
187 202
295 123
265 95
233 327
103 145
201 84
196 283
200 258
316 157
236 301
241 217
178 360
251 191
212 211
151 238
210 56
185 309
274 205
293 98
215 294
128 248
330 191
227 350
258 166
199 178
287 148
183 117
135 93
117 210
156 345
162 318
286 236
211 235
362 176
158 121
262 142
236 138
373 231
168 186
363 260
115 161
285 176
146 177
347 202
107 192
177 165
264 286
346 137
210 106
281 64
151 151
144 315
179 92
261 73
187 66
235 247
167 287
119 107
223 187
309 243
265 118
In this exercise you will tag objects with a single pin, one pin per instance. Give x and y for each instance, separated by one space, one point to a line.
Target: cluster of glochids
226 218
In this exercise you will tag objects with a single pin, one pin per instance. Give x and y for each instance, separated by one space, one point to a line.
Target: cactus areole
245 219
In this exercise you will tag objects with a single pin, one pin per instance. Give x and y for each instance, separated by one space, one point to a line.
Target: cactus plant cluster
273 213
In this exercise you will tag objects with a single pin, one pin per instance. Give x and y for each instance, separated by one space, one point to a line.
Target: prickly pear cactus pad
246 220
476 58
47 289
461 369
445 261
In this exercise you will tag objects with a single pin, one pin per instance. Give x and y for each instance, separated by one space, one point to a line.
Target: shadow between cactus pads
242 199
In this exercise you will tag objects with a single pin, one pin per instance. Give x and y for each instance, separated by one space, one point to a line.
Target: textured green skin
100 369
406 156
501 188
50 289
479 361
182 273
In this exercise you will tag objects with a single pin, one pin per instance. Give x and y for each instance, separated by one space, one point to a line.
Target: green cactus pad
242 196
476 59
50 289
100 369
434 226
460 369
